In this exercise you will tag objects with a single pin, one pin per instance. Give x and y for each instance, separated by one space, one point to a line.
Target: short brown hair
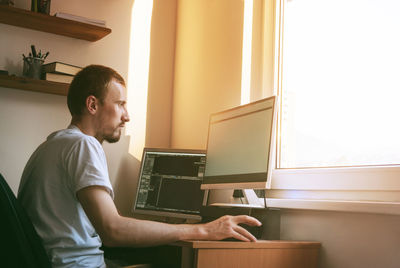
91 80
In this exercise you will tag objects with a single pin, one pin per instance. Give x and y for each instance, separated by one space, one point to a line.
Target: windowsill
378 178
391 208
352 189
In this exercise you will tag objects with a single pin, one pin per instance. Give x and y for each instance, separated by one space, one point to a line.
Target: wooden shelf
34 85
45 23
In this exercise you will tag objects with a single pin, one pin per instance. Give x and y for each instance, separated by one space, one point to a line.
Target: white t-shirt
65 163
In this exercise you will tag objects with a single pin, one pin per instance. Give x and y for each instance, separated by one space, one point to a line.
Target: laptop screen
169 183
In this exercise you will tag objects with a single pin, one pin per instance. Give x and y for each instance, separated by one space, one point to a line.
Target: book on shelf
59 67
100 23
56 77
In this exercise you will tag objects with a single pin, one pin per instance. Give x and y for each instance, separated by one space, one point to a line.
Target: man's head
96 101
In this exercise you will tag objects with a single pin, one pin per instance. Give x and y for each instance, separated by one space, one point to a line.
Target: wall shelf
34 85
46 23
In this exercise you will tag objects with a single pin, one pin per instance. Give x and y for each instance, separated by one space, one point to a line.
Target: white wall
26 118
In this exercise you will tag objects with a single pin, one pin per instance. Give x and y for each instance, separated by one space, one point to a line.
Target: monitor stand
253 201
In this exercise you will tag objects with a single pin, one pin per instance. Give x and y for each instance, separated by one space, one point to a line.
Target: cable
265 198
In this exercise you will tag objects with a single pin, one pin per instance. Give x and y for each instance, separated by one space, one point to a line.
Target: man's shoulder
71 141
72 136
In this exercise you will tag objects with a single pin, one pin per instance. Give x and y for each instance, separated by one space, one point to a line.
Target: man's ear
91 104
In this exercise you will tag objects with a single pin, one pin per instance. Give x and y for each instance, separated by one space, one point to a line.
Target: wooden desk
263 253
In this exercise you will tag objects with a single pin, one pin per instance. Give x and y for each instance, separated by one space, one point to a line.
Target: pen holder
32 67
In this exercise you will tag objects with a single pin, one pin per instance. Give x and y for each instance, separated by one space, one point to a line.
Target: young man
67 193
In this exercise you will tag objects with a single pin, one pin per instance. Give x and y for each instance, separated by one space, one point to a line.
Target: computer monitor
239 147
169 183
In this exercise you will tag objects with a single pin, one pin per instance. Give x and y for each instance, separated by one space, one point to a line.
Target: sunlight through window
340 84
138 74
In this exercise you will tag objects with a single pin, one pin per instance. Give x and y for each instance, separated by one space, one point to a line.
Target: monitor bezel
160 213
265 182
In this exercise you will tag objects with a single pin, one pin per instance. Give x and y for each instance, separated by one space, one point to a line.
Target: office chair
19 243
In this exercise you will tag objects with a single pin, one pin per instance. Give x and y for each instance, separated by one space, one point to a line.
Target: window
340 85
336 65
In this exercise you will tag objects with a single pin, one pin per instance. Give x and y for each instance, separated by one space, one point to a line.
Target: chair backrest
20 244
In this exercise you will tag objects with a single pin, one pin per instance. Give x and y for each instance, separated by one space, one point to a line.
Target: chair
20 244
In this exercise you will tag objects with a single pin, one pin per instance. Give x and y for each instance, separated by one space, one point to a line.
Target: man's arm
116 230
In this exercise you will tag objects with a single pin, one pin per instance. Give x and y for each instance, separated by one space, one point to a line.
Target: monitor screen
169 183
239 147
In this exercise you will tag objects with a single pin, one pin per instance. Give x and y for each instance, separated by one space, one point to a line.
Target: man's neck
85 125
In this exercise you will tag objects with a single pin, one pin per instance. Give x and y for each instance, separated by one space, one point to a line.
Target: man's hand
227 227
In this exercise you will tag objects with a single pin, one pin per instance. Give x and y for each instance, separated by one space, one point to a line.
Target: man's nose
125 116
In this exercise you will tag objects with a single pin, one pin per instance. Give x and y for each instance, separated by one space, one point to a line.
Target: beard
114 137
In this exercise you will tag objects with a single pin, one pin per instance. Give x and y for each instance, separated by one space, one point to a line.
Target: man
67 193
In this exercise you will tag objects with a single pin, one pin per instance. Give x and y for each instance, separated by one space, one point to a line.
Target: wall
350 240
207 67
161 74
151 121
207 79
27 117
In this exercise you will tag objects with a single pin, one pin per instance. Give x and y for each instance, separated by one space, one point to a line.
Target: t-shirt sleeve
87 166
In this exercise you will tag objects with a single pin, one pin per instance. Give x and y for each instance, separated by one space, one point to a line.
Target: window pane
340 83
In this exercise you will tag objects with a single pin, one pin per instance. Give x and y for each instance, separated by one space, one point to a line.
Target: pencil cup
32 67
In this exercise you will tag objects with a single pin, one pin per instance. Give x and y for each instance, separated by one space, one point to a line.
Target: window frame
330 188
